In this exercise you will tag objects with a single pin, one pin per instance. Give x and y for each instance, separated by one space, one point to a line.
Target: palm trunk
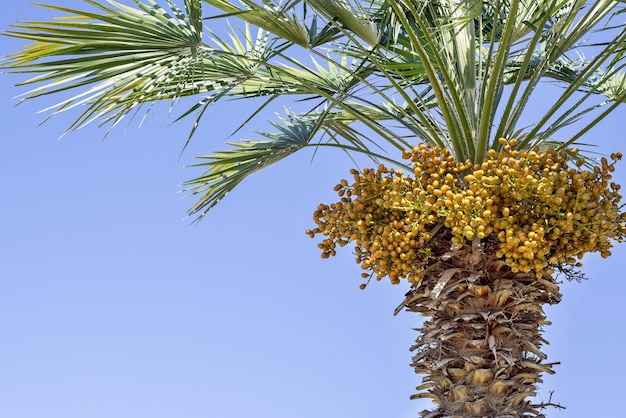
480 346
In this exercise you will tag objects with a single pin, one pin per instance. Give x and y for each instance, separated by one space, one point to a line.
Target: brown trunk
480 345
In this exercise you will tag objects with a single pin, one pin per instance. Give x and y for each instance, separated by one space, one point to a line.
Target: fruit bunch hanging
540 209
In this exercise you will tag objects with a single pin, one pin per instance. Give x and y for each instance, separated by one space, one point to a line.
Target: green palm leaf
226 169
382 74
125 56
270 16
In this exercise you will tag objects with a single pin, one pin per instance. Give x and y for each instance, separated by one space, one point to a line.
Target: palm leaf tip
120 56
226 169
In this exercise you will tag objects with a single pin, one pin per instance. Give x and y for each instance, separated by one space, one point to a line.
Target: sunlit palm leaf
227 169
383 74
126 56
351 17
270 16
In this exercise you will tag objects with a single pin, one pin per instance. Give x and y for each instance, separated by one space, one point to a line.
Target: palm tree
482 224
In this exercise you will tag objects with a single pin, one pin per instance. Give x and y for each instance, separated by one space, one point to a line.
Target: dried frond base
480 346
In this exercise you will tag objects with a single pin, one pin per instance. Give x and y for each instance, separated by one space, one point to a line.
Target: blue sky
113 305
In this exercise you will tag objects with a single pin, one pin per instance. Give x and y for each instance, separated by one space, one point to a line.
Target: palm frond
270 16
350 17
226 169
125 56
378 75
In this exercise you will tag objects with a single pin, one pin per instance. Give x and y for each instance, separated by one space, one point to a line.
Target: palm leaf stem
514 107
598 11
564 120
361 150
579 82
380 67
438 88
567 117
486 63
458 109
339 102
494 81
594 122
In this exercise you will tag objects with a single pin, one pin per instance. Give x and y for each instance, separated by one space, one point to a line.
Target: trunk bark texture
480 345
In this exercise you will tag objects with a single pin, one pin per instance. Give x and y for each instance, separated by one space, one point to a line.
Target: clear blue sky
112 305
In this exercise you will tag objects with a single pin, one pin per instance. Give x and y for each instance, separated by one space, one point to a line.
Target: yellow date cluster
537 206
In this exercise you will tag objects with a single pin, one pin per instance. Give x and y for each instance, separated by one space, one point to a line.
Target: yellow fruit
530 203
